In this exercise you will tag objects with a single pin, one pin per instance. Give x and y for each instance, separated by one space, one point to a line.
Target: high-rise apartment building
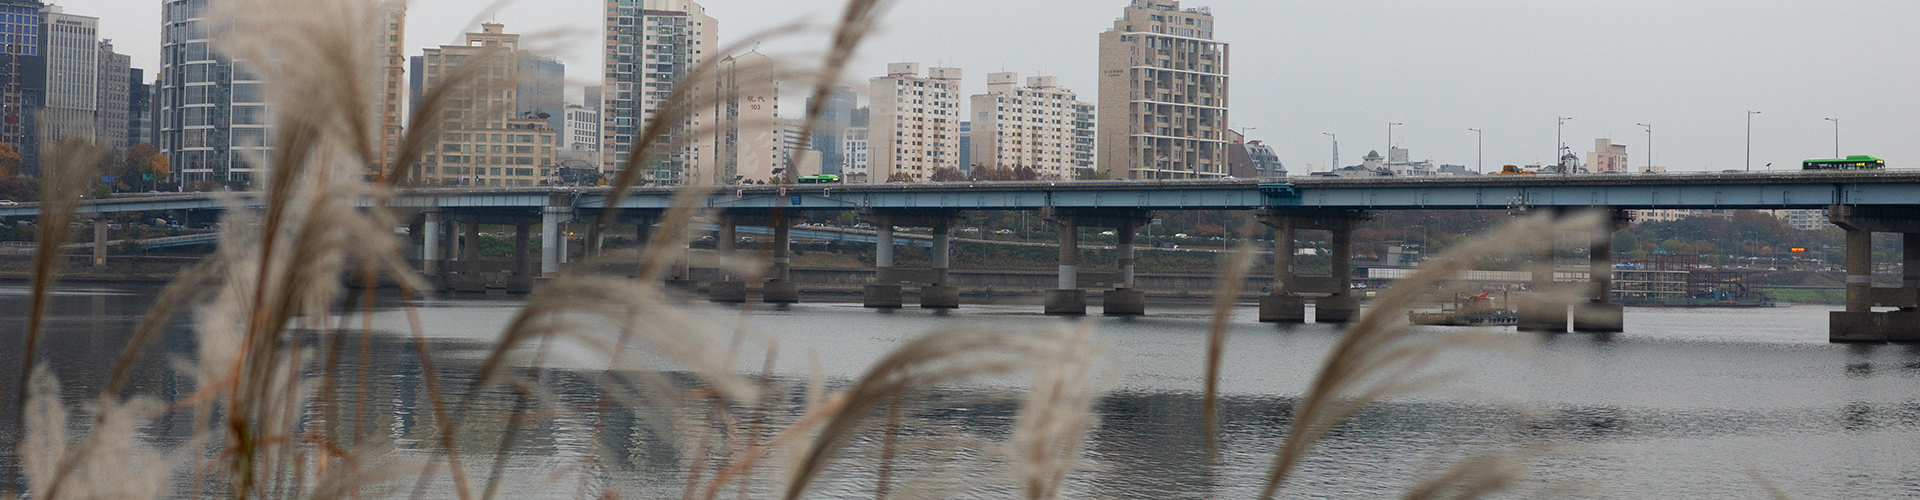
830 129
139 108
1163 94
966 146
71 44
483 139
914 127
392 29
213 110
748 144
23 79
651 46
1083 134
115 92
1025 126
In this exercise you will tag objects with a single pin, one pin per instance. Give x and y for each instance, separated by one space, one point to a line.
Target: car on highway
8 203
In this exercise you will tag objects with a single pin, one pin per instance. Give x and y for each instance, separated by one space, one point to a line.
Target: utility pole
1560 145
1336 151
1750 139
1480 158
1836 137
1649 147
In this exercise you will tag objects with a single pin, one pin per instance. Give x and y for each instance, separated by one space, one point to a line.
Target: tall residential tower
651 46
915 123
1163 94
485 141
213 110
1032 126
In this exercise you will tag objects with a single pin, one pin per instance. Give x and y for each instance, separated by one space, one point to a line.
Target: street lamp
1649 146
1390 126
1336 151
1480 158
1750 139
1836 137
1559 145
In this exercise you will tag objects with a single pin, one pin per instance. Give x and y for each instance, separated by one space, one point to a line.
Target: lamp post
1390 126
1836 137
1649 147
1559 144
1336 151
1480 156
1750 139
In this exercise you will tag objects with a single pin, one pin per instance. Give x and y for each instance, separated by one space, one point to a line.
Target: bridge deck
1783 190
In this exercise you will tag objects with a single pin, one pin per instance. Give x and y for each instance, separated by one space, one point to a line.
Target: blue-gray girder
1787 190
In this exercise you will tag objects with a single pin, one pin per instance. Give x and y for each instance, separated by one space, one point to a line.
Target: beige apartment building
393 72
747 144
482 142
1025 126
1608 157
1163 94
915 122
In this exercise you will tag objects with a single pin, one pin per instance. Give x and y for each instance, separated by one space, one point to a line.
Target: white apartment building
914 127
651 45
1163 94
855 149
1805 219
1027 126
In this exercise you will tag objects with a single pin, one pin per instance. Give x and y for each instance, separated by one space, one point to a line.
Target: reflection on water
1681 405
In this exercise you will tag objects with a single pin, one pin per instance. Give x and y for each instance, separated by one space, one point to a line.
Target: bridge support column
883 293
553 238
1124 299
1342 306
1600 313
523 270
1068 299
470 247
781 289
594 241
1857 322
726 289
940 294
1540 310
1282 306
430 239
99 243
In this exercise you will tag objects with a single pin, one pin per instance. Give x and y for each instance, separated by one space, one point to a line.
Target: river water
1704 403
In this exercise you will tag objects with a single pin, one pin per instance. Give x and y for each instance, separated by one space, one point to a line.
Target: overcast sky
1692 68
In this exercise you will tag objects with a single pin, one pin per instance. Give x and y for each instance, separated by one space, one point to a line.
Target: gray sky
1692 68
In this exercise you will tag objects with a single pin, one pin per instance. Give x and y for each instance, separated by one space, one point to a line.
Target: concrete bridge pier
1068 299
882 293
940 294
523 264
780 288
1600 314
553 237
1281 305
1341 306
99 242
430 239
1859 322
1124 299
1540 310
727 289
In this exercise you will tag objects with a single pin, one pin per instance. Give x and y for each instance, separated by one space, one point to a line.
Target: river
1697 403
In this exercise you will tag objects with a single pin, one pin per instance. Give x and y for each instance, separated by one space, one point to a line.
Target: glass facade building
213 117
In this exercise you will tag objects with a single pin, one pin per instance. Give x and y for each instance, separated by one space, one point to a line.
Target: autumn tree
1025 173
948 174
899 177
9 162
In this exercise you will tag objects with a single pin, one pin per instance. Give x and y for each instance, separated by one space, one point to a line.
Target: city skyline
1506 67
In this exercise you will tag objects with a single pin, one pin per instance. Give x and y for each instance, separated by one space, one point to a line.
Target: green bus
820 179
1854 162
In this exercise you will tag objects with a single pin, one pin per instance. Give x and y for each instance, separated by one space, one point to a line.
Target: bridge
1861 202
